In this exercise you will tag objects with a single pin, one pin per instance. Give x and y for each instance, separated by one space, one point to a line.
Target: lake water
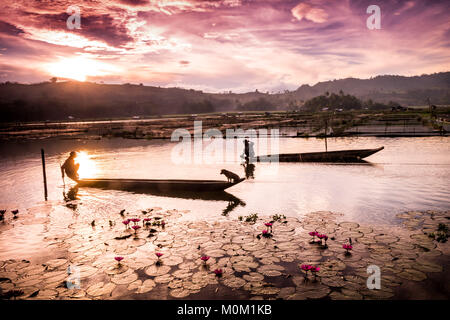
409 174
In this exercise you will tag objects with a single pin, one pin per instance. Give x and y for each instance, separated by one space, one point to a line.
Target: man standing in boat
248 150
70 167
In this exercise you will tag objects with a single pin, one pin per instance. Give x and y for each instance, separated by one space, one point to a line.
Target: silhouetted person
70 168
248 149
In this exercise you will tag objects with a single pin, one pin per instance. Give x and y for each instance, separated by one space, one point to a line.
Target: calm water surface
409 174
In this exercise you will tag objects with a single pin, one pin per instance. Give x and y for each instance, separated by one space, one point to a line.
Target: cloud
218 45
10 29
306 11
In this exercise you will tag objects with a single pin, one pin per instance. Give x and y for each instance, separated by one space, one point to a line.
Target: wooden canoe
330 156
158 185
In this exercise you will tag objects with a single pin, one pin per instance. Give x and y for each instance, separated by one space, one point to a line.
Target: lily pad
101 289
142 287
116 269
234 282
180 293
165 278
411 274
124 278
157 270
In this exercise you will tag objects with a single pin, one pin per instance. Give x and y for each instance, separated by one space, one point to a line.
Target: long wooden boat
158 185
330 156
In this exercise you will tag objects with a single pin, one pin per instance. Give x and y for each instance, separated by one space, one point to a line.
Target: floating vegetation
252 218
279 218
441 234
289 259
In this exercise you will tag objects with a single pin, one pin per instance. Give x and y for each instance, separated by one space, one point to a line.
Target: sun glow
78 68
88 167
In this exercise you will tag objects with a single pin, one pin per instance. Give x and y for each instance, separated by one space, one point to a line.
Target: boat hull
158 185
331 156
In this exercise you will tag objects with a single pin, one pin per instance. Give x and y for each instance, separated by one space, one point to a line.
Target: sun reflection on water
88 168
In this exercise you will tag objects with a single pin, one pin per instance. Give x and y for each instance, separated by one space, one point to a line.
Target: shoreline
291 125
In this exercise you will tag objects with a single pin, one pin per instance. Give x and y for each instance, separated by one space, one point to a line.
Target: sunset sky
218 45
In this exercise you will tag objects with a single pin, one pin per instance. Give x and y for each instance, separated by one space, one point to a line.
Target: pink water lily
314 270
218 272
126 223
135 220
205 258
136 228
118 259
347 247
323 237
159 254
313 234
264 232
306 267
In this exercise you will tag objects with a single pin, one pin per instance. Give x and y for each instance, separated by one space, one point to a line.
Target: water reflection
70 197
249 169
233 202
410 174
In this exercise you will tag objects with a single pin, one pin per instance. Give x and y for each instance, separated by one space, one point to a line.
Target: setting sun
78 68
87 165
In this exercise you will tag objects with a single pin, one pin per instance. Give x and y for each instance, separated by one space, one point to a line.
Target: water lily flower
306 268
205 258
269 225
347 247
313 234
126 223
159 254
218 272
135 220
315 269
322 237
266 234
136 228
118 259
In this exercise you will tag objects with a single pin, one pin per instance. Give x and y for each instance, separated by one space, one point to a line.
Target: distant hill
404 90
83 100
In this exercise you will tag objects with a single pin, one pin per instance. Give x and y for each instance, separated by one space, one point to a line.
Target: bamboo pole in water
44 173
